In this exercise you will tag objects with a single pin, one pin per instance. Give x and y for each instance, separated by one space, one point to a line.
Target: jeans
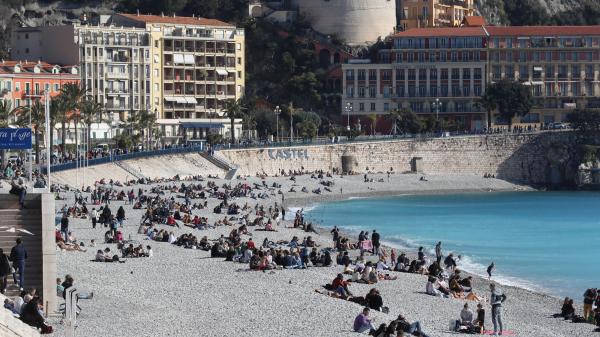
587 310
22 195
3 283
365 328
416 327
497 317
20 268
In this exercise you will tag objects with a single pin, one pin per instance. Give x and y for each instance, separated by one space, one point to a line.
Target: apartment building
444 72
561 64
183 69
198 65
433 13
437 71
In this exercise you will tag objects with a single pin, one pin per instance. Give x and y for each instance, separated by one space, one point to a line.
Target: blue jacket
18 253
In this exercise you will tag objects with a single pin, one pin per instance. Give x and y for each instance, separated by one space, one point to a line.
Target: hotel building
433 13
444 71
183 69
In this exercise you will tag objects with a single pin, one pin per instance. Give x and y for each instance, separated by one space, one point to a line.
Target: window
433 74
361 107
56 88
477 90
549 71
466 73
361 92
372 92
373 107
386 106
17 86
477 73
523 72
350 74
27 88
455 73
361 75
17 103
349 91
372 75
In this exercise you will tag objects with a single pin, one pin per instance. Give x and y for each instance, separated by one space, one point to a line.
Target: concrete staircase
11 326
222 163
12 220
130 169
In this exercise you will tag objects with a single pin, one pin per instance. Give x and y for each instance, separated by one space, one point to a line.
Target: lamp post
436 106
291 124
277 113
348 110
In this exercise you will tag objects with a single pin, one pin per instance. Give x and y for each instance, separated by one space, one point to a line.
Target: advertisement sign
15 138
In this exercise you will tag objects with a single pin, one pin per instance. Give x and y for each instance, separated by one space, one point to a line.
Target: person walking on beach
94 216
490 269
496 299
438 251
375 241
64 227
18 255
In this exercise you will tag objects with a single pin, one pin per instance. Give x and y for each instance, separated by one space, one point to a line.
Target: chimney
162 14
137 12
173 14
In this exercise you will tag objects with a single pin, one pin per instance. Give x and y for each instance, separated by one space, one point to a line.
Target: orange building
23 82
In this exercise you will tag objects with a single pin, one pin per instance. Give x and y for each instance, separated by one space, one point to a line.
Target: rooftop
181 20
543 30
443 31
8 67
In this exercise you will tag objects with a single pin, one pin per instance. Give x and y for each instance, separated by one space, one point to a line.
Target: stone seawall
549 158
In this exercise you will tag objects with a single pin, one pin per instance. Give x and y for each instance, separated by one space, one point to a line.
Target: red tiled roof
543 30
442 31
7 67
182 20
474 21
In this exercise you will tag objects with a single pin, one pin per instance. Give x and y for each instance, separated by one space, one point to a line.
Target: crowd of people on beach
181 204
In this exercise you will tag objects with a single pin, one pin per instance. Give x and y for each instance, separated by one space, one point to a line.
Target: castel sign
288 154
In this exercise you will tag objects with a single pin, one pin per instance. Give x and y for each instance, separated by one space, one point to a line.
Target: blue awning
201 125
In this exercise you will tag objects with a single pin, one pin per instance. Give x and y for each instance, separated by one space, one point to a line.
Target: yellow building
434 13
197 65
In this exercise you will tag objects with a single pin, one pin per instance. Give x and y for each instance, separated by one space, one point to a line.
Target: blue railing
132 155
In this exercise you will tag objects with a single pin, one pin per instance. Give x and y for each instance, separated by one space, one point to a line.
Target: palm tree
488 102
38 117
233 109
394 115
6 112
73 95
90 112
147 122
373 119
60 113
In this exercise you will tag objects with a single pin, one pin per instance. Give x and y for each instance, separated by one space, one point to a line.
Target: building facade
183 69
23 82
434 13
443 72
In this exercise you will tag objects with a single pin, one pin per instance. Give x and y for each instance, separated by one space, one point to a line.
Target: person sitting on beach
374 300
568 310
381 265
465 323
480 320
340 286
431 288
412 328
362 323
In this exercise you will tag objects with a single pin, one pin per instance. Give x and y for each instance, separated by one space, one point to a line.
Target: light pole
348 110
436 106
277 113
291 124
49 141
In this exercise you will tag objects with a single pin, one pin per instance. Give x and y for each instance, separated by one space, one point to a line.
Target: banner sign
15 138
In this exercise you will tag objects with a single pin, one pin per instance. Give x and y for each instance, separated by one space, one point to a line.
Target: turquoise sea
543 241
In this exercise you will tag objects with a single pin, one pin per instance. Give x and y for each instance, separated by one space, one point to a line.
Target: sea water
542 241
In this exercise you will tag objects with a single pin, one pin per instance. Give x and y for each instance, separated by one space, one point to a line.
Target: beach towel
504 333
366 245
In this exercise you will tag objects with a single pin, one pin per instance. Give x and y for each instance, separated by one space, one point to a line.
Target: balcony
116 91
117 106
117 75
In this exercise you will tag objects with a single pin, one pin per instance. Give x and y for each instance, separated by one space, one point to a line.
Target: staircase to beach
14 222
221 163
130 169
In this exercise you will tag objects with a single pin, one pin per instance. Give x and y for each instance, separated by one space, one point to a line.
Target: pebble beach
184 292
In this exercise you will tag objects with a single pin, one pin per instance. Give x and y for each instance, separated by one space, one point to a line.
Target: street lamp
436 106
348 110
277 113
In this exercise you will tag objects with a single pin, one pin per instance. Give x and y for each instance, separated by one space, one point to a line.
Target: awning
538 69
189 59
537 82
178 58
180 100
191 100
170 99
222 72
201 125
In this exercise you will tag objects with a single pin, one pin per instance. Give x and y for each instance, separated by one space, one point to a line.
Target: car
557 126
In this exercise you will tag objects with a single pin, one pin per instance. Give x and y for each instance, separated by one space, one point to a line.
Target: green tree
585 120
406 121
488 102
73 94
38 118
233 109
148 125
59 112
91 112
373 121
511 98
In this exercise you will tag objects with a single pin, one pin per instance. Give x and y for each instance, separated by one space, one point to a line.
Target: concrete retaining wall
541 158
